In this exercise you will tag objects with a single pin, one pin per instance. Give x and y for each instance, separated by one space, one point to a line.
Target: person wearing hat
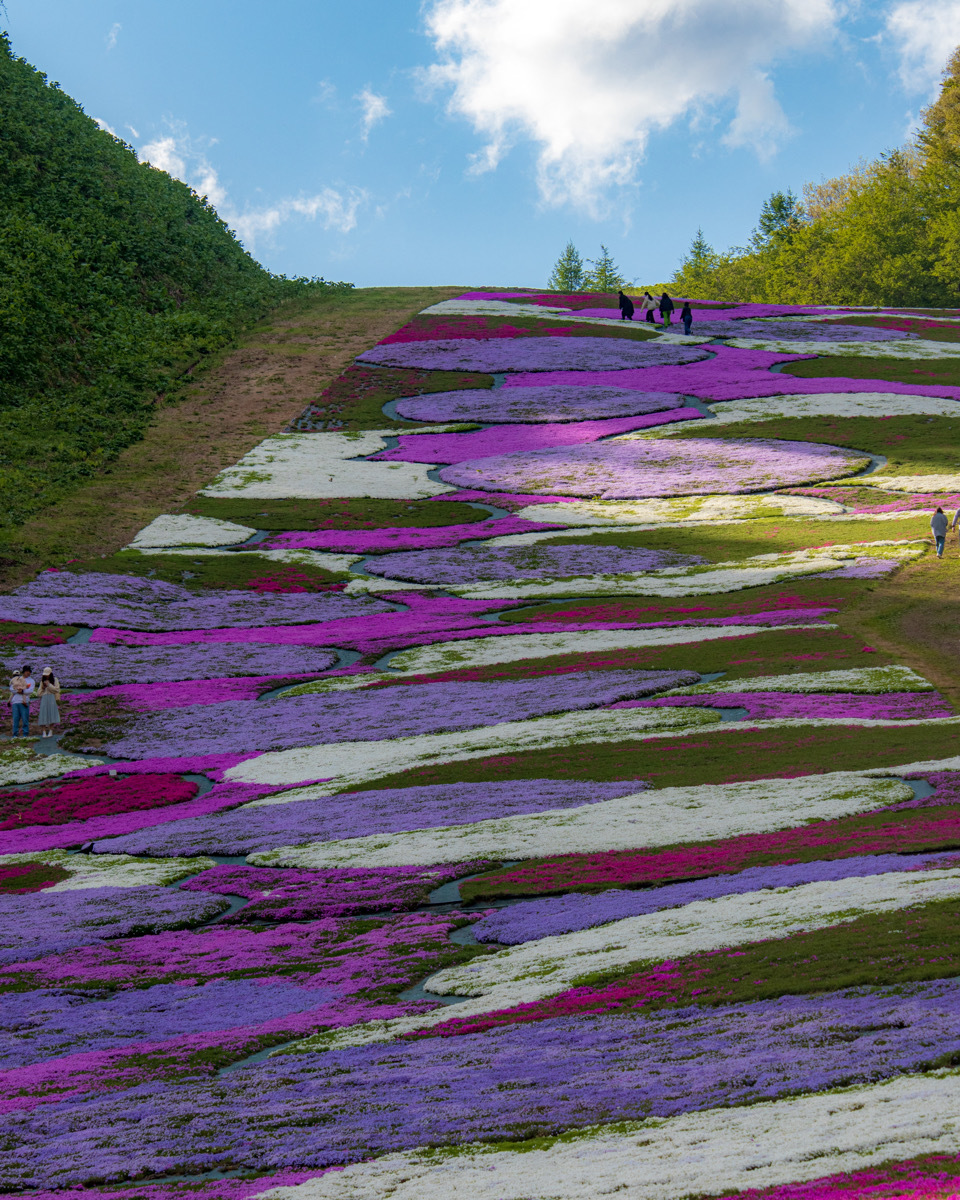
49 693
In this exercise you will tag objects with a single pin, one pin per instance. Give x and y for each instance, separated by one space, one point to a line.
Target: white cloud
333 209
591 82
185 158
134 132
926 33
113 34
326 93
103 125
374 108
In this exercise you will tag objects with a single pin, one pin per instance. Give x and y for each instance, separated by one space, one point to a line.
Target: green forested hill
887 233
114 280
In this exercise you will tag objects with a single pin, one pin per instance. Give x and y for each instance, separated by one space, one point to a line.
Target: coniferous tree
567 271
604 275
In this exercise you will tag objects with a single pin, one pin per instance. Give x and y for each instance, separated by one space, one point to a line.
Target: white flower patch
349 765
507 308
536 970
693 581
688 509
835 404
716 1151
912 348
340 563
323 466
185 530
862 680
488 651
646 819
111 870
19 763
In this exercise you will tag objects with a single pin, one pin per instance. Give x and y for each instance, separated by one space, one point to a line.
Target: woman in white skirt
48 693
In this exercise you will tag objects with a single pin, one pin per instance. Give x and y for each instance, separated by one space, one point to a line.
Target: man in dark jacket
626 307
666 308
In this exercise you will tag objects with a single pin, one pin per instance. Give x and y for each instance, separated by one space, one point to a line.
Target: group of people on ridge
648 306
23 689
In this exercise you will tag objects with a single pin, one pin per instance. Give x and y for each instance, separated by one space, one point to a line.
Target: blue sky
465 141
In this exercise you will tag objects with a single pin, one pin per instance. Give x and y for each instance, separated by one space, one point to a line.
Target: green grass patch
734 543
887 831
777 652
713 755
355 400
244 571
884 370
912 445
815 593
335 514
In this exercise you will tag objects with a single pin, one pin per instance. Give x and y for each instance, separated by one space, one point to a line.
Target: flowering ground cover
573 718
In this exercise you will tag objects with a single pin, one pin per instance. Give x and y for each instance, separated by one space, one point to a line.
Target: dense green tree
698 269
114 280
567 271
603 275
779 219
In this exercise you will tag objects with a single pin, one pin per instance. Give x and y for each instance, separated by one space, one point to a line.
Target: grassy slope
242 397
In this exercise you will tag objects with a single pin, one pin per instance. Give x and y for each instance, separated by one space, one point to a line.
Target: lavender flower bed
863 568
458 447
763 706
577 910
369 715
47 1022
540 560
734 374
357 814
535 404
530 354
151 697
370 541
97 665
807 331
132 603
677 467
49 923
516 1081
293 895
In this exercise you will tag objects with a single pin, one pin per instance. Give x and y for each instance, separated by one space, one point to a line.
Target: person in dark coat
626 307
666 308
686 316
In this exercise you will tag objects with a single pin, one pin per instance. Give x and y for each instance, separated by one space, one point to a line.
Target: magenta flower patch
294 895
84 798
371 541
455 447
675 467
535 404
531 354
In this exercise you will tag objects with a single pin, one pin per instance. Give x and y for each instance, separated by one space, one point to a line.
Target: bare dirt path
250 392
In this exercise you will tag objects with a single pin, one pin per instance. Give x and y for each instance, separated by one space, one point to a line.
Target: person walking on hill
49 693
626 307
956 521
21 689
648 306
686 316
938 527
666 308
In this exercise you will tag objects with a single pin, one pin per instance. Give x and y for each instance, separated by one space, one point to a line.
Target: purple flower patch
516 1081
238 727
676 467
530 354
539 560
357 814
532 405
553 915
131 603
370 541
